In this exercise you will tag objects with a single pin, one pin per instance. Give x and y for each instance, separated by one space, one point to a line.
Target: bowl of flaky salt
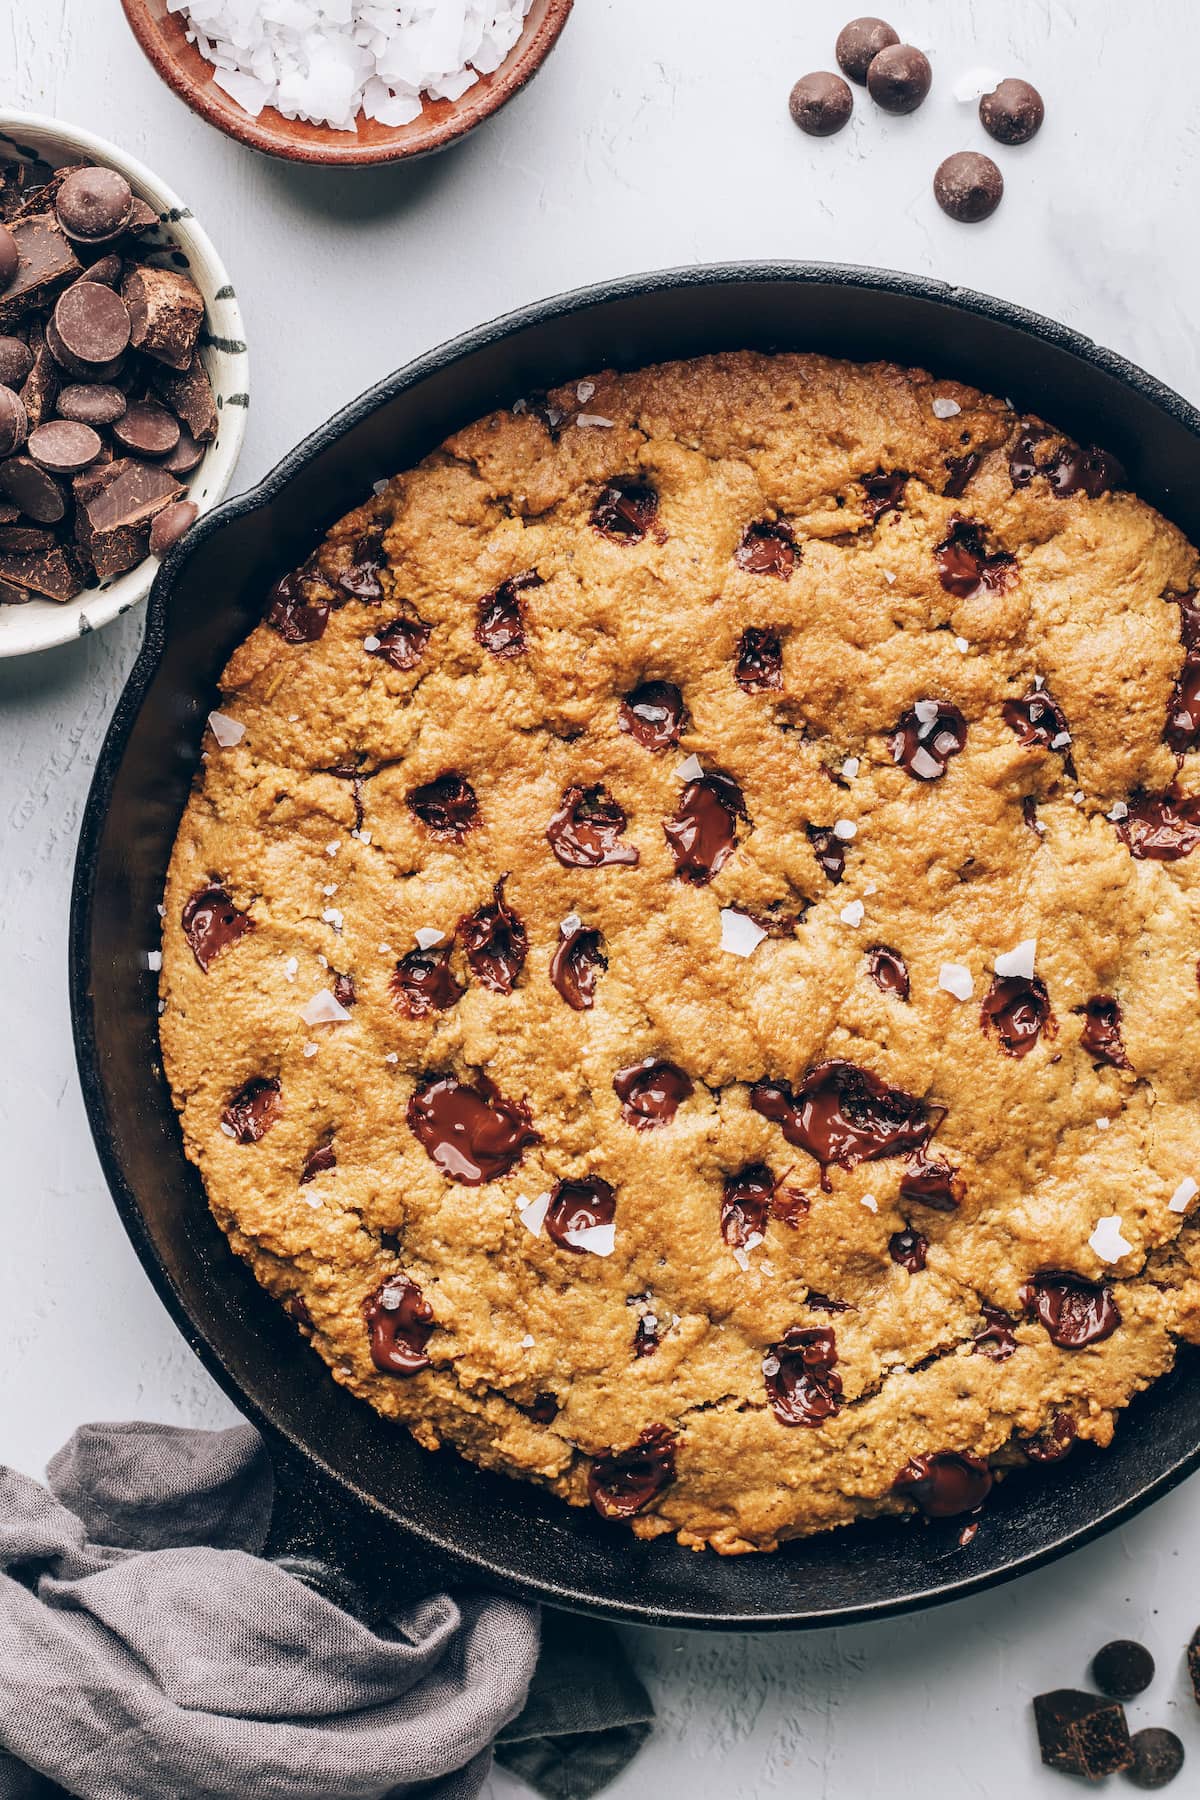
346 81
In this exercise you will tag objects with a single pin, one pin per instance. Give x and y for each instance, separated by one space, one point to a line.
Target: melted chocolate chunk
578 1205
424 983
759 660
344 991
1038 721
802 1384
822 1303
828 849
211 923
964 562
586 831
1183 712
402 643
1015 1011
1069 469
1101 1036
645 1338
575 966
768 548
446 805
945 1484
932 1184
319 1161
889 971
1052 1444
653 714
909 1249
543 1408
296 1308
1161 827
746 1204
995 1338
625 1481
626 511
1029 814
399 1325
296 608
253 1110
473 1134
501 624
883 493
923 747
496 941
1074 1311
960 471
360 579
703 834
651 1093
845 1115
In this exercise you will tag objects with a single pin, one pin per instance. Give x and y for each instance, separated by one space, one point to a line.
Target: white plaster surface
657 134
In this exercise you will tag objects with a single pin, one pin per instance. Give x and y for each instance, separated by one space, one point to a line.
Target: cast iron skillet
353 1487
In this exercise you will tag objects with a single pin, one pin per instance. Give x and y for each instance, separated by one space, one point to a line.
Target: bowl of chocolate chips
123 380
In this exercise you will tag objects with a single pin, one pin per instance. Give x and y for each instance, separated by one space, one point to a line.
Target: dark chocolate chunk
1015 1011
211 923
859 43
189 395
1038 721
653 714
91 405
93 205
496 942
651 1093
166 311
473 1134
47 571
92 323
1013 112
1051 1444
501 624
821 104
746 1205
1101 1035
960 471
625 1481
759 660
297 608
1074 1311
37 494
579 1205
10 258
1158 827
828 849
399 1325
344 991
703 833
41 383
889 971
106 269
575 966
147 429
319 1161
586 831
253 1110
424 983
768 548
995 1338
64 446
114 507
922 746
964 562
544 1408
968 187
1069 468
802 1383
14 421
47 264
446 806
883 493
1193 1663
909 1249
843 1114
358 577
170 525
1182 731
898 78
625 511
1123 1668
1081 1734
646 1337
402 643
927 1182
945 1483
1157 1757
16 360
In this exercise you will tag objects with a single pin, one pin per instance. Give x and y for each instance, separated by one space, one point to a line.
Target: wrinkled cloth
148 1650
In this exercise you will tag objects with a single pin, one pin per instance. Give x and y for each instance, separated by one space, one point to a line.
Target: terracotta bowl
163 37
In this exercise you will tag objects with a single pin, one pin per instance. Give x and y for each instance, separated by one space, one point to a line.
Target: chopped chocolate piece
211 923
926 737
92 323
843 1114
1081 1734
898 78
768 548
653 714
1069 469
63 446
48 572
167 310
703 834
1182 731
142 218
16 360
625 1481
25 540
446 806
1121 1669
295 1308
93 205
91 405
802 1384
147 429
186 456
1013 112
10 258
402 643
968 187
1101 1035
14 421
932 1184
759 660
1162 827
47 264
496 942
501 624
359 578
883 492
190 397
297 608
746 1204
579 1205
829 850
473 1134
171 524
253 1110
1016 1011
889 971
965 564
319 1161
651 1093
909 1249
859 43
625 511
41 384
424 983
1157 1757
944 1484
1038 721
821 104
37 494
576 965
112 520
995 1339
399 1323
1074 1311
586 830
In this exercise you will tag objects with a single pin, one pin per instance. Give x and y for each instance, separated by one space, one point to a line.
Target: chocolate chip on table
1013 112
859 43
37 494
399 1325
10 258
1157 1757
651 1093
147 429
94 205
92 323
64 447
968 187
166 310
170 524
16 360
1122 1669
14 421
1082 1734
899 78
821 103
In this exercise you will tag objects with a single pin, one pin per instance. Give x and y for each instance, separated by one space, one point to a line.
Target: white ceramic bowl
40 623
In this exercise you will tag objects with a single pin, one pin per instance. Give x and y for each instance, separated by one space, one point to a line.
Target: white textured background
657 134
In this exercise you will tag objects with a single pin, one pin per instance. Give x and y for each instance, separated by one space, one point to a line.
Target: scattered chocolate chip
10 258
960 470
446 805
802 1384
16 360
166 310
1013 112
968 187
170 525
828 849
703 835
883 493
14 421
944 1484
1052 1444
1161 828
909 1249
147 429
898 78
91 323
1193 1664
575 966
473 1134
651 1093
859 43
995 1338
932 1184
746 1205
399 1324
579 1205
653 715
625 511
106 269
1122 1669
821 104
92 405
624 1482
759 660
319 1161
501 624
1101 1035
64 447
37 494
402 643
889 971
586 831
923 745
94 205
843 1114
424 983
1080 1734
1073 1310
496 941
211 923
296 608
253 1110
1015 1011
768 548
964 562
1157 1757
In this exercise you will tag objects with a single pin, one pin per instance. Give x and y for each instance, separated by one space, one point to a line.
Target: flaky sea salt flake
739 933
691 769
597 1240
944 407
533 1213
1019 962
956 979
227 731
1107 1240
324 1009
1183 1196
852 913
427 937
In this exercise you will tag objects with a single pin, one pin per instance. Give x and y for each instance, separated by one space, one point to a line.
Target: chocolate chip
576 965
170 525
399 1325
768 548
898 78
1101 1035
843 1114
253 1110
424 983
211 923
186 456
651 1093
402 643
802 1384
496 941
653 715
105 269
14 421
1052 1444
1160 828
94 205
822 1303
909 1249
64 447
859 43
47 572
828 849
944 1484
296 608
889 971
959 473
343 987
1013 112
922 746
1182 731
359 579
501 624
759 660
473 1134
586 830
319 1161
703 835
446 805
37 494
883 493
296 1309
16 360
624 1482
1038 721
1080 1734
1157 1757
821 104
579 1205
965 564
10 258
91 405
995 1338
543 1408
933 1184
92 323
625 511
115 503
968 187
189 395
147 429
1122 1669
166 311
646 1338
746 1205
1073 1310
1015 1011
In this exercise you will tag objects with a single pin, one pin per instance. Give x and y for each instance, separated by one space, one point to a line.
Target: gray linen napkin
147 1650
